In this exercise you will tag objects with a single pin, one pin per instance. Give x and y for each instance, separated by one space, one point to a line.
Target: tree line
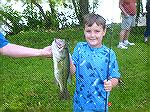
34 17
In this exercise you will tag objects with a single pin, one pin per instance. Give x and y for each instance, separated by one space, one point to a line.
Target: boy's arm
72 67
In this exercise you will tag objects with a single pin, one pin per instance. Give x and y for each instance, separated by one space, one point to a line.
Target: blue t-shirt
3 41
91 70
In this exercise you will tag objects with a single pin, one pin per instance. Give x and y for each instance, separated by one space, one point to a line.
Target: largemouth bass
61 61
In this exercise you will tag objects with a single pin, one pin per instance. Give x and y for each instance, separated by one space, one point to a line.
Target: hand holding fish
46 52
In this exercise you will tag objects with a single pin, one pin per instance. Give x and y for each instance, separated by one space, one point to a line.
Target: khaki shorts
127 22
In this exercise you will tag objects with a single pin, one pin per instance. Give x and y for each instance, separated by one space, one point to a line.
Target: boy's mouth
92 38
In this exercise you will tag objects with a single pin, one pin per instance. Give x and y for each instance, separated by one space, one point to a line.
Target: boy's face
94 35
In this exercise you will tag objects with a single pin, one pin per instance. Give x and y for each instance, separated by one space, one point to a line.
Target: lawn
28 83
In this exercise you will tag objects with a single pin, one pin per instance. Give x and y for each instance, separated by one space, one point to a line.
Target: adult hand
46 52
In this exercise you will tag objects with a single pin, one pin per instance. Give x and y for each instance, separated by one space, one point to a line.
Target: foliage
94 6
53 22
30 18
33 17
66 18
12 19
139 9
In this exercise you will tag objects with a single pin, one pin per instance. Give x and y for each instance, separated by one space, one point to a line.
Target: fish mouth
60 43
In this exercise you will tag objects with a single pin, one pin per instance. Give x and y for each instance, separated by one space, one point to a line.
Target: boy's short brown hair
92 18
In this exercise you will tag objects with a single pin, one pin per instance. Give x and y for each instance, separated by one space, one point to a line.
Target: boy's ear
104 33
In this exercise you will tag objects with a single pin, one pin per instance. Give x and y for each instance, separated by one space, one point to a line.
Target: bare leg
126 42
122 35
127 34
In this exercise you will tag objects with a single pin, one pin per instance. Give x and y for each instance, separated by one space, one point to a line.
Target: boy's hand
108 85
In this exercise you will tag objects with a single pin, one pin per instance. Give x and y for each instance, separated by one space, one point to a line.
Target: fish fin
69 80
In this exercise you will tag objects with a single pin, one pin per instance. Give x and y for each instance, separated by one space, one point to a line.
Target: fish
61 60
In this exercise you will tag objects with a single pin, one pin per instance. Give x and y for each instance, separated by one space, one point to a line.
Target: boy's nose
92 34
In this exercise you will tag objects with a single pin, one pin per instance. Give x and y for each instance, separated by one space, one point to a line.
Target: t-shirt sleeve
3 41
114 70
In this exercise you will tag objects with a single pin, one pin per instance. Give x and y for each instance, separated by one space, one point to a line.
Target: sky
109 9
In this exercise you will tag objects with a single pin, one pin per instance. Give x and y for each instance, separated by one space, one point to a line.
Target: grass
28 83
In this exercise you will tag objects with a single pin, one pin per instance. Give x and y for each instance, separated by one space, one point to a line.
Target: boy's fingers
107 85
107 82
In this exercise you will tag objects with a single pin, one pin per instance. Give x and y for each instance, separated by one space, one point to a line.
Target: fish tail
64 94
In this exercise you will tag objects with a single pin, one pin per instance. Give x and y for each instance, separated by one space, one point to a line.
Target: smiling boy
90 61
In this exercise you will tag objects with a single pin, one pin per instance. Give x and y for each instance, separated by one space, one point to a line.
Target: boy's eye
88 31
97 31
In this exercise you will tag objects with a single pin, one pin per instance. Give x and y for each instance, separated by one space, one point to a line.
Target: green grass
28 83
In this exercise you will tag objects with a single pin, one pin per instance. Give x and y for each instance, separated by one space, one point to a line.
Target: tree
49 17
11 18
81 8
139 9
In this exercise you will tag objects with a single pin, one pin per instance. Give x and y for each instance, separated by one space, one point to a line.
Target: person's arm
21 51
108 85
72 67
122 8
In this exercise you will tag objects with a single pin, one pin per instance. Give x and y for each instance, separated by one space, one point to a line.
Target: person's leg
122 36
148 26
147 31
131 23
124 25
126 42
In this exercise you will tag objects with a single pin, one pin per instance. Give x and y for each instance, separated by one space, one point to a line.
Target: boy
90 61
